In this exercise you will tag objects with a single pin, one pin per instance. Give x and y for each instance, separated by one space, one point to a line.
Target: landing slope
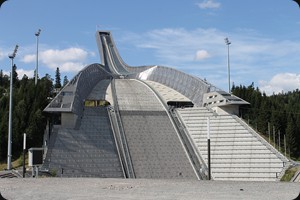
155 148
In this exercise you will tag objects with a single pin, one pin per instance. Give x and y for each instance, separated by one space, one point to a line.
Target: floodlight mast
9 145
227 42
37 34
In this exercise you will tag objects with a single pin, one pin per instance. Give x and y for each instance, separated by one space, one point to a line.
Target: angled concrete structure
113 120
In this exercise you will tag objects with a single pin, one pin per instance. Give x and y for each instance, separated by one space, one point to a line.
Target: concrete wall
68 120
225 110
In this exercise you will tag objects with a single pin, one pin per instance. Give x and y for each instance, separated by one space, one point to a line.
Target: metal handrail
261 139
203 164
187 144
123 140
286 162
116 138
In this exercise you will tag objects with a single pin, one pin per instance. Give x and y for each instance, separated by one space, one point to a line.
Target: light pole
37 34
208 148
11 56
227 42
24 151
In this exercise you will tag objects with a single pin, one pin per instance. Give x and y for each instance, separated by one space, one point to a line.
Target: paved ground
92 188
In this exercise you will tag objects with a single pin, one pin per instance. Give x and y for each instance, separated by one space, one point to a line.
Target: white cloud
62 56
3 54
6 72
22 72
209 4
253 57
279 83
29 58
68 60
71 66
178 46
201 55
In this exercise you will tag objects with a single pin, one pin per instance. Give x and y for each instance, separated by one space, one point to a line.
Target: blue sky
185 34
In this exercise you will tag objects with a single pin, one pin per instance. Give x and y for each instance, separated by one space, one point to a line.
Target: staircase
236 153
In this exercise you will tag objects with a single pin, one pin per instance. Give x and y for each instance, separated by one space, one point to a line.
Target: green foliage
29 100
66 81
53 173
282 111
291 136
57 79
4 80
289 174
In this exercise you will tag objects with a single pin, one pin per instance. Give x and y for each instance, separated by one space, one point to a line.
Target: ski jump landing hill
116 121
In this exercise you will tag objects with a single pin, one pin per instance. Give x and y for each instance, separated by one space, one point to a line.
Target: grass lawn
289 174
15 163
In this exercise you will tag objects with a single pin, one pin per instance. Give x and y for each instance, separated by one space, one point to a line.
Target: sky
187 35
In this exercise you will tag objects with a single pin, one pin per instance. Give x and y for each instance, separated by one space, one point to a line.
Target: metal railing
121 137
116 134
285 161
196 160
193 150
260 138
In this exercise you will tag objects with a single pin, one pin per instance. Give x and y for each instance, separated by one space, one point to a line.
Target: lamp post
11 56
227 42
208 149
24 151
37 34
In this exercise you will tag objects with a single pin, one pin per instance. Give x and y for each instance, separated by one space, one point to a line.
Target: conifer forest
276 117
29 100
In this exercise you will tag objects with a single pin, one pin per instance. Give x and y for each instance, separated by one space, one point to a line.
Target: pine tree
291 136
57 79
36 128
66 81
263 116
15 77
28 101
1 78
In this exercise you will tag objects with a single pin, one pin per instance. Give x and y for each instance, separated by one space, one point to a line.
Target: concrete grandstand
116 121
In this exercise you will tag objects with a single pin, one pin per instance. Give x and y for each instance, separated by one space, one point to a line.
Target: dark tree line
29 100
278 113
